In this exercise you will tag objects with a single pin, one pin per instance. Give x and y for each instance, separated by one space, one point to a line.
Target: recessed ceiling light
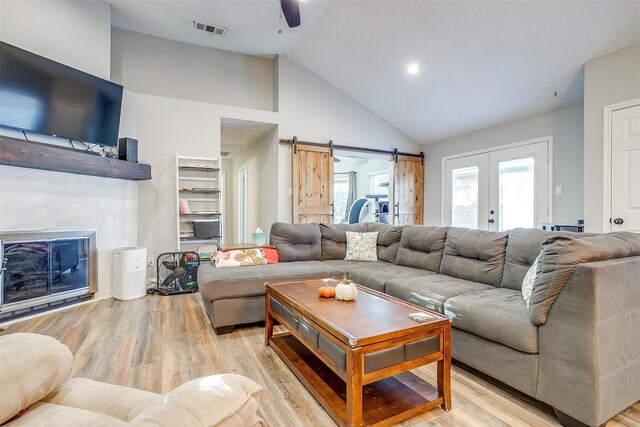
413 68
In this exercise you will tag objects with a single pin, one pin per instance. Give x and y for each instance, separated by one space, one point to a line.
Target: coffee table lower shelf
385 402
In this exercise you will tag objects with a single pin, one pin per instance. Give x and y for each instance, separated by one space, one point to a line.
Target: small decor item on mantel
346 290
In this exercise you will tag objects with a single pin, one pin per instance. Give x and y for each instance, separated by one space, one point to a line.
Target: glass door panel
518 187
516 193
465 196
27 273
69 265
464 200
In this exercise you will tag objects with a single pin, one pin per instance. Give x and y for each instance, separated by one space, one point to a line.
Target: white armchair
35 390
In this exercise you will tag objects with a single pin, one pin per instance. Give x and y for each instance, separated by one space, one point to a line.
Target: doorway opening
249 153
362 186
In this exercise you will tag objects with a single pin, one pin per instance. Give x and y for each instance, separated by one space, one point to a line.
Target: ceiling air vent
212 29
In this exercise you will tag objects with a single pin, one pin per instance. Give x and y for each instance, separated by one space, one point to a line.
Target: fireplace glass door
27 271
69 269
42 268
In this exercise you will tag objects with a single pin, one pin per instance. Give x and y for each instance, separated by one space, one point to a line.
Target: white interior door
498 190
625 169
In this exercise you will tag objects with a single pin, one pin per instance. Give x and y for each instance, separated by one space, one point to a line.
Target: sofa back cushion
422 247
334 239
523 247
475 255
561 255
388 240
296 242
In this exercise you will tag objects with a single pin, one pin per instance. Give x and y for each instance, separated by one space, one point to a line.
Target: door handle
397 214
491 221
333 210
618 221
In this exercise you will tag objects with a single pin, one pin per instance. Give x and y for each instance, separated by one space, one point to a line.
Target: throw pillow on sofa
529 280
271 255
238 258
362 246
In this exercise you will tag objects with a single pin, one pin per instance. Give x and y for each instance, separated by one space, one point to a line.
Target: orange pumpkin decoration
326 292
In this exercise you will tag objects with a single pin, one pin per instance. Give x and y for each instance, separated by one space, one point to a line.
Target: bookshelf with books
199 202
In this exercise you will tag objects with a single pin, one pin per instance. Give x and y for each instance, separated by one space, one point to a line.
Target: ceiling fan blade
291 12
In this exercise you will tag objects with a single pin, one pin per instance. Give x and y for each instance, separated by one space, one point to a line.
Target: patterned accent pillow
527 283
238 258
362 246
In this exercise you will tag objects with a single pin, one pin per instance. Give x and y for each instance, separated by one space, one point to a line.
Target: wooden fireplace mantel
26 154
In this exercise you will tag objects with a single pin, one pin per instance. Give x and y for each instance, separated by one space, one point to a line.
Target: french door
499 189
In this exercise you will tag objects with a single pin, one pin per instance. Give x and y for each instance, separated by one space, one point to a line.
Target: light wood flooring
157 343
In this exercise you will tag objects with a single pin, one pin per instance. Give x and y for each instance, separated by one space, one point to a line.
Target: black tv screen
43 96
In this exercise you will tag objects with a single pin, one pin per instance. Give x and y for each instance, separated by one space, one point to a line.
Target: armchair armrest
589 357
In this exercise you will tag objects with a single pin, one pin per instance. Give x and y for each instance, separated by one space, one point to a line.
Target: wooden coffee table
355 356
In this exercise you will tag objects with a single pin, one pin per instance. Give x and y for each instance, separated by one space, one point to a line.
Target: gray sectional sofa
576 348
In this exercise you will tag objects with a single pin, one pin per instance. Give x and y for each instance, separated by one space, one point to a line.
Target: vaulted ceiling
481 64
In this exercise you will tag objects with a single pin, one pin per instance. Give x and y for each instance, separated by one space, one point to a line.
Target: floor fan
177 273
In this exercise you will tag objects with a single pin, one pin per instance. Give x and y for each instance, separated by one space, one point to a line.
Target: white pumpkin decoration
346 290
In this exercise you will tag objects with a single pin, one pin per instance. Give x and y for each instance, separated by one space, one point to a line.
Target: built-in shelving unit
199 198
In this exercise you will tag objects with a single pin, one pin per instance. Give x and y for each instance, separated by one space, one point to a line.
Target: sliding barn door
408 191
312 186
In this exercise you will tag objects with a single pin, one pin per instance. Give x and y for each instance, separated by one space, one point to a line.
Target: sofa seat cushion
377 278
499 315
239 282
432 290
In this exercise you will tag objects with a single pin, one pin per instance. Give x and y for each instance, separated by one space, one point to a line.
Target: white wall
305 106
165 127
566 127
78 34
156 66
608 80
75 33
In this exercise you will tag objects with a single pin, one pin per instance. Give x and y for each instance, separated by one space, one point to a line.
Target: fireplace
46 269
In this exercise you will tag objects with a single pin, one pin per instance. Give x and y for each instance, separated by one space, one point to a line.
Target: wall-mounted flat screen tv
45 97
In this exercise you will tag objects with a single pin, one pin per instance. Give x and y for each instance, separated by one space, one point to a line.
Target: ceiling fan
291 12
